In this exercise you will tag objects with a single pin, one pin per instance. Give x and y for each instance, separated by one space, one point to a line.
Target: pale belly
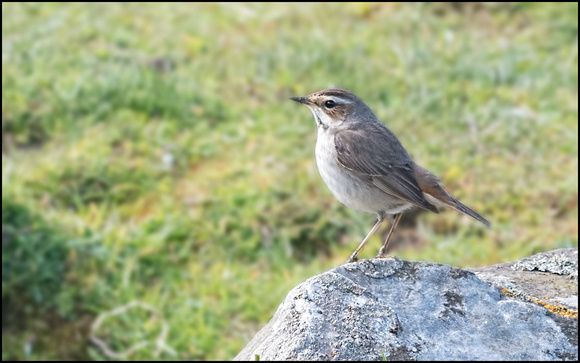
349 189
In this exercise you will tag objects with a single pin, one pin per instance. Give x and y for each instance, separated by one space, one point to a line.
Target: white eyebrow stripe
341 100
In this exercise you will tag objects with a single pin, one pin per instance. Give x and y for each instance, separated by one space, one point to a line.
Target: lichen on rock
418 311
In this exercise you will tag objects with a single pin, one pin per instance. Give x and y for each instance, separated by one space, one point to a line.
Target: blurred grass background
150 153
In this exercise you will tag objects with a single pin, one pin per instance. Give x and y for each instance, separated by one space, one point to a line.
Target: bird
367 168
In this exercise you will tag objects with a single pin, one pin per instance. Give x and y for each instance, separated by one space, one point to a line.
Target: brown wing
372 150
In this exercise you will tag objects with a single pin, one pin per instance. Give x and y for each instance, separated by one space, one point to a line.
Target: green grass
151 154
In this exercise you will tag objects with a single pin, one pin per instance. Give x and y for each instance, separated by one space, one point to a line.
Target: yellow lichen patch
560 310
506 292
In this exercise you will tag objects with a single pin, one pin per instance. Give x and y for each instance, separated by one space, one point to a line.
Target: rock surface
399 310
549 279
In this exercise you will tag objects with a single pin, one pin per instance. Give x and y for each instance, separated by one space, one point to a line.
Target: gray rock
548 279
562 262
399 310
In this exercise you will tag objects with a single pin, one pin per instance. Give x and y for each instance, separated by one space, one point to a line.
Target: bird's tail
435 193
444 199
460 207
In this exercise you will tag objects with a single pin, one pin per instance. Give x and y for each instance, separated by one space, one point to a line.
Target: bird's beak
303 100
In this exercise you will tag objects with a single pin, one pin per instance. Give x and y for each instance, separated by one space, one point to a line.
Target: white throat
323 121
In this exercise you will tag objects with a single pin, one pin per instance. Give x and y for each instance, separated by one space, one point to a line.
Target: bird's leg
383 251
353 257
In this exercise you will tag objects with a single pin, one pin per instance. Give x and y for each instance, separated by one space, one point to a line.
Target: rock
399 310
549 279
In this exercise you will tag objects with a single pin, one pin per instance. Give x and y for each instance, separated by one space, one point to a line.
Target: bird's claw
352 259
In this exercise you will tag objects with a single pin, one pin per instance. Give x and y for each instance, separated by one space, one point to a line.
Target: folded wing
371 150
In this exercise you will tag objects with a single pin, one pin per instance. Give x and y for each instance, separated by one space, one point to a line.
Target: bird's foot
352 259
385 255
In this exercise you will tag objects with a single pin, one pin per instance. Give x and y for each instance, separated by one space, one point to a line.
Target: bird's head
333 107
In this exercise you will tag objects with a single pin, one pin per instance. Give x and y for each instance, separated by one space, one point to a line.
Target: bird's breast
351 190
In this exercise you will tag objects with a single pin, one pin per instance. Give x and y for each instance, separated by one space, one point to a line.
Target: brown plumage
433 187
365 166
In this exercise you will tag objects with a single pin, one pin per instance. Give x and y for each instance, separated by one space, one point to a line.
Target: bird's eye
329 104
